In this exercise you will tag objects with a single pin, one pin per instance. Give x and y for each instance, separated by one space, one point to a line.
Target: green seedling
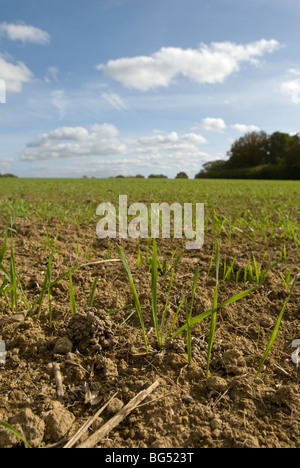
276 328
114 311
93 292
159 325
11 283
15 432
72 297
286 277
134 293
164 266
46 288
214 308
189 311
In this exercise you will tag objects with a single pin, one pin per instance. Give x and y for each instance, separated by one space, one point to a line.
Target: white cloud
292 89
59 100
14 74
172 141
245 128
114 100
24 33
211 124
294 71
103 141
5 163
75 142
105 129
159 140
208 64
51 75
61 134
194 138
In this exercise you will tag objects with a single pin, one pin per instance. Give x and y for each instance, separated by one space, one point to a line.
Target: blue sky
108 87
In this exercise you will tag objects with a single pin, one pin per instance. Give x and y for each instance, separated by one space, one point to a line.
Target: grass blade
93 291
154 291
276 328
134 293
214 313
72 297
188 333
114 311
165 309
207 313
3 249
13 280
50 307
175 317
15 432
46 285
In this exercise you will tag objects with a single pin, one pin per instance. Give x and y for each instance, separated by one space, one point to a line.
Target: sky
100 88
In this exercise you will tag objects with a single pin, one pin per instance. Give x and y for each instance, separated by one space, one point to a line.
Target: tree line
258 155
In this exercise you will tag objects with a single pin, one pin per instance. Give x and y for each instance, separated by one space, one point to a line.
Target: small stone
114 406
63 346
58 422
217 384
187 399
266 321
215 424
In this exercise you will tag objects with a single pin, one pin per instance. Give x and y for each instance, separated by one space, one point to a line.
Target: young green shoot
134 293
15 432
189 311
214 307
276 328
72 297
93 292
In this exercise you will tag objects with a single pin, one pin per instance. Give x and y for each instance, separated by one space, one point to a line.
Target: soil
100 354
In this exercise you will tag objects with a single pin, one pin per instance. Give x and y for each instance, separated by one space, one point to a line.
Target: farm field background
50 229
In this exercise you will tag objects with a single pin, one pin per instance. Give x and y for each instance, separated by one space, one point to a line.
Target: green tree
276 147
248 151
182 175
211 169
292 157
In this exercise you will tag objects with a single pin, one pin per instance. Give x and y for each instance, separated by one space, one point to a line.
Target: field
213 326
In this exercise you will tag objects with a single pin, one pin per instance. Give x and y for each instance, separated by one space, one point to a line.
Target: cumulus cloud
6 163
212 124
242 128
105 129
208 64
14 74
103 140
24 33
292 89
172 141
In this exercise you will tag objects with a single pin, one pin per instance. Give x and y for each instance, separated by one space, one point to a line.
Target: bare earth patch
101 355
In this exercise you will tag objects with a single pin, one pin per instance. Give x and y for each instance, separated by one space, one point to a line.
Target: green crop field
211 324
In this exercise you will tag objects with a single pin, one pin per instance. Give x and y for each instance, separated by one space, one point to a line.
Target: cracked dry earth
101 355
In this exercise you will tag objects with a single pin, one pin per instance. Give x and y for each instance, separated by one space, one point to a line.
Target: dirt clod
92 330
28 425
58 421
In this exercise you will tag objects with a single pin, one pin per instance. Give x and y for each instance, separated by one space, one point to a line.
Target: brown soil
100 355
